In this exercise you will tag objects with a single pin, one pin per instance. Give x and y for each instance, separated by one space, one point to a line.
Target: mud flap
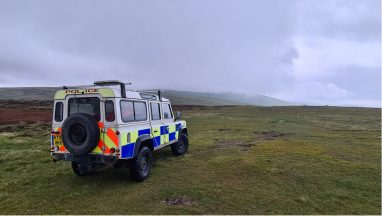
84 162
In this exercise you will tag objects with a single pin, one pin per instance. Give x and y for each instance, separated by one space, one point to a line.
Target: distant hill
177 97
28 93
218 99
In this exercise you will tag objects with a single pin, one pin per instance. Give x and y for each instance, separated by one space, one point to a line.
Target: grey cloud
215 41
362 82
236 46
347 19
287 56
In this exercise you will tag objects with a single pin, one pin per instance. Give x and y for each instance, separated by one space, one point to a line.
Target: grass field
241 160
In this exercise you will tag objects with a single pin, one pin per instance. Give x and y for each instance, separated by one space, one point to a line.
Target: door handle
155 131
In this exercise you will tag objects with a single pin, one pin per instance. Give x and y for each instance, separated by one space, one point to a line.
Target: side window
167 114
59 112
133 111
155 111
140 111
127 111
109 111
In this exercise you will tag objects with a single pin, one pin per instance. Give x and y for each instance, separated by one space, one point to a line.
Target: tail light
112 150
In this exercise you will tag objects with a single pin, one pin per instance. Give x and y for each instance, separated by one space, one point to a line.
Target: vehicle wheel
141 165
181 146
81 170
80 133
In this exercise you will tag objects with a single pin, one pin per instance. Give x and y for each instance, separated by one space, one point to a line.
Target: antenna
123 90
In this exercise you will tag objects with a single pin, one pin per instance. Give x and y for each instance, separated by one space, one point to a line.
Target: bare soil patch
244 145
16 115
27 104
177 201
270 135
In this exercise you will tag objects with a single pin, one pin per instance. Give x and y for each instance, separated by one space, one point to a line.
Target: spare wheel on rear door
80 133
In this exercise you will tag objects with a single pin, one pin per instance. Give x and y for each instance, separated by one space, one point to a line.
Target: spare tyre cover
80 133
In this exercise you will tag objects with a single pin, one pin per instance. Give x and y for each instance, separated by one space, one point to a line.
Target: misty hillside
216 99
177 97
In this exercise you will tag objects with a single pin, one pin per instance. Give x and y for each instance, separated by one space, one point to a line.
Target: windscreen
88 105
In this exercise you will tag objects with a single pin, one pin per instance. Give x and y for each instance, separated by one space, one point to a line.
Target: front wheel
181 146
141 165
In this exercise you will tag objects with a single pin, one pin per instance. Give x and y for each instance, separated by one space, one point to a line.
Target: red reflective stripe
100 125
101 144
110 133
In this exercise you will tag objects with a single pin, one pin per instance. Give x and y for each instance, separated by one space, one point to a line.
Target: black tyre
80 133
82 169
181 146
141 165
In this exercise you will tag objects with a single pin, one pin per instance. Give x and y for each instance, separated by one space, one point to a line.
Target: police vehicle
105 124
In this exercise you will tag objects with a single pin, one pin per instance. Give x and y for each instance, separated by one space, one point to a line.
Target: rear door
109 142
94 106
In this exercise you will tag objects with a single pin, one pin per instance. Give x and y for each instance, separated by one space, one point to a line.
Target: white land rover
105 124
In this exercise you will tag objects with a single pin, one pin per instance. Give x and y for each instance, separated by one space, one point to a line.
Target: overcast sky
323 52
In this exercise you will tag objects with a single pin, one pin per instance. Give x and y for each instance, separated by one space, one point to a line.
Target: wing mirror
178 115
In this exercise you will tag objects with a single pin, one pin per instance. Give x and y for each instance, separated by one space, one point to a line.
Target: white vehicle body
125 120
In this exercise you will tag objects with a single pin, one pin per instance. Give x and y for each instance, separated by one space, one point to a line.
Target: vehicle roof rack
107 82
76 87
152 92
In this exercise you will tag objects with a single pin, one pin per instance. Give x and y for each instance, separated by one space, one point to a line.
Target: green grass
321 160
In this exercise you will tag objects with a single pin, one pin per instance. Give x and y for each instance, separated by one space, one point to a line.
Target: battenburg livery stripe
161 135
107 140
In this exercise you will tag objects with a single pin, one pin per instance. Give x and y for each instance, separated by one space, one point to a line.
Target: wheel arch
184 131
143 140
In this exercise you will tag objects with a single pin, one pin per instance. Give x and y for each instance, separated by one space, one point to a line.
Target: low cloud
297 50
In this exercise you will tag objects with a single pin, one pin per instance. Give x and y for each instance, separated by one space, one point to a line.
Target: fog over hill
177 97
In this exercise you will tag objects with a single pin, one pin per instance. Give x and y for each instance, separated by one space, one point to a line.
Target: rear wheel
141 165
82 169
181 146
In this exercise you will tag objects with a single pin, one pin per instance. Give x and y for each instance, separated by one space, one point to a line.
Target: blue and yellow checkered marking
174 131
145 131
127 149
160 135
